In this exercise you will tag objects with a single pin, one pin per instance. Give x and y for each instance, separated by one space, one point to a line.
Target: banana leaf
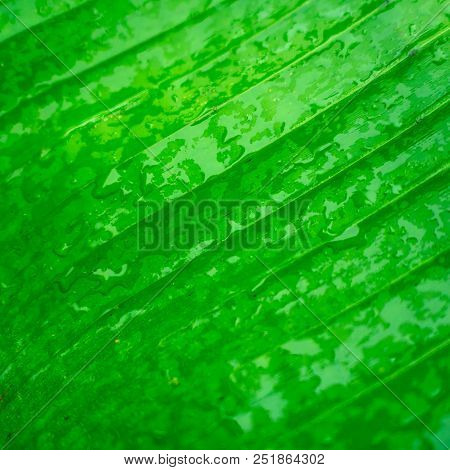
302 301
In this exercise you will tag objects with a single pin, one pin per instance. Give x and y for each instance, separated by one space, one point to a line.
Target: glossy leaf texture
339 107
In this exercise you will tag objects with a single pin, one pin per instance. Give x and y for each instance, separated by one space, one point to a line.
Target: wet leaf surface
335 110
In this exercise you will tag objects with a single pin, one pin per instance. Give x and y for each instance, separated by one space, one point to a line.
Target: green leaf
328 121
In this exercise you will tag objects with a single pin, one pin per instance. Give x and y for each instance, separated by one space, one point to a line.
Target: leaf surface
336 111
